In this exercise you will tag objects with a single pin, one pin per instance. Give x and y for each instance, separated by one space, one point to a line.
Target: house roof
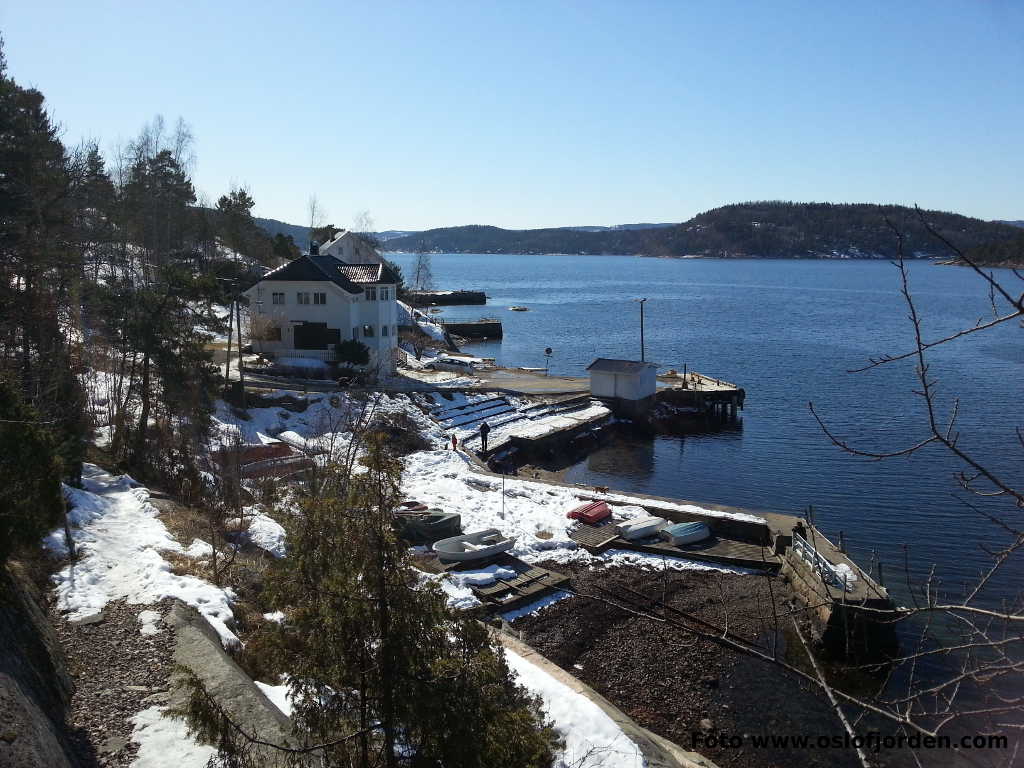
348 277
312 268
609 365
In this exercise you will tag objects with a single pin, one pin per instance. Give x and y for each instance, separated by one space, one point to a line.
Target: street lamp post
642 358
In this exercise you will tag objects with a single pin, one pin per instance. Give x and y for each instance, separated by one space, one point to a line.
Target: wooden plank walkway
530 583
596 538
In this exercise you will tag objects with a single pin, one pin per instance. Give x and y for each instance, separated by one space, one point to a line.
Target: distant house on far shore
302 311
631 383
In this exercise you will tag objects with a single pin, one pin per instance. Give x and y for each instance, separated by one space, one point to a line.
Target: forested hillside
746 230
1005 253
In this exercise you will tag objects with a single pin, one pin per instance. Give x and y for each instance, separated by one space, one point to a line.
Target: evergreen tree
40 267
379 668
30 494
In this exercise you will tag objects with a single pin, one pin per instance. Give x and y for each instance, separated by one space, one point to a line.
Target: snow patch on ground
459 596
266 533
278 695
533 514
535 607
119 539
164 742
588 732
481 577
150 621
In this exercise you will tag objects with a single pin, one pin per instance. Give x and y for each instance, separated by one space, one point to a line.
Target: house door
315 336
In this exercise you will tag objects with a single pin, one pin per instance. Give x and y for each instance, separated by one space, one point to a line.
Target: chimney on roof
314 248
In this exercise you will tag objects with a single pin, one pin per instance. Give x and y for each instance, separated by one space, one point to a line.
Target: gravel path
683 687
118 671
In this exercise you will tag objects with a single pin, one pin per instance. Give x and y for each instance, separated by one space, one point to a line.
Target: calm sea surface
788 332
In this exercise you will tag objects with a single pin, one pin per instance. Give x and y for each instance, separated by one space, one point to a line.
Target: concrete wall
602 384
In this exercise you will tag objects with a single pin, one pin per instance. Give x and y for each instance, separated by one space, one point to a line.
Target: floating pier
598 538
484 328
705 394
446 298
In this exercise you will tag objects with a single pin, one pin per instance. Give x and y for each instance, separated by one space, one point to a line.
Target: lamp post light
642 358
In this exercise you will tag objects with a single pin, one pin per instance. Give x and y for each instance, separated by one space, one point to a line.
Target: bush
353 352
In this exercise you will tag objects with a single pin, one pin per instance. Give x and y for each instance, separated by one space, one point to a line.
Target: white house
310 305
628 380
350 248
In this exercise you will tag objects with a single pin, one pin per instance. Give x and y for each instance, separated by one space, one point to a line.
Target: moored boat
685 533
427 527
473 546
640 527
591 512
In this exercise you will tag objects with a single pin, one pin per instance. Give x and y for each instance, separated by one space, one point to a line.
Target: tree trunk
140 435
227 358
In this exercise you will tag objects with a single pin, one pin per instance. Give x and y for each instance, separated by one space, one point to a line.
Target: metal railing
826 571
327 355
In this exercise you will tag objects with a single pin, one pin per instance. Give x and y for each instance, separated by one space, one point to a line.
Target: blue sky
531 114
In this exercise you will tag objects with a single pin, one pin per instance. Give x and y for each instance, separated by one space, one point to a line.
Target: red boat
591 512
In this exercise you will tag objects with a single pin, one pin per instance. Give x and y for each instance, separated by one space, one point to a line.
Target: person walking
485 429
455 442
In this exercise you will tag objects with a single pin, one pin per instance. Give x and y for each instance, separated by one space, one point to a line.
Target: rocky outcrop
35 687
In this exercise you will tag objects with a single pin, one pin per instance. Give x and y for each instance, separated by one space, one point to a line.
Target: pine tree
379 667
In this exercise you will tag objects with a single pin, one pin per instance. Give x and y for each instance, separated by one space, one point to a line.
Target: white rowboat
473 546
640 527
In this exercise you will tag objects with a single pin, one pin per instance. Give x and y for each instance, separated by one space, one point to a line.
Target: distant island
767 229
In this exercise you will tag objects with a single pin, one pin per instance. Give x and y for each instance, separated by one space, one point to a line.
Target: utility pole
642 358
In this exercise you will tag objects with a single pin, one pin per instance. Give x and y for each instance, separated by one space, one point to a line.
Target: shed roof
610 365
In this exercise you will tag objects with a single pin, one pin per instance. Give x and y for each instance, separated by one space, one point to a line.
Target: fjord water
788 332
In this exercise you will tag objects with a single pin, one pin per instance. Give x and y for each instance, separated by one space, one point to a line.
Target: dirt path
118 672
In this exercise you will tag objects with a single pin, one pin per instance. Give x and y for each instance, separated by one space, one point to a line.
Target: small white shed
623 379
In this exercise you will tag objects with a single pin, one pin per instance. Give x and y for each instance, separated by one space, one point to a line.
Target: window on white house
259 292
319 298
303 297
277 298
384 294
383 330
368 331
371 293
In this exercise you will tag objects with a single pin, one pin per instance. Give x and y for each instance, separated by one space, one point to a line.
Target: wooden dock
598 538
530 583
484 328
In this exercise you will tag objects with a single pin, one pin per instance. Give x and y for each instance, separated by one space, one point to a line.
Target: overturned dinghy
685 533
427 527
592 512
473 546
640 527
